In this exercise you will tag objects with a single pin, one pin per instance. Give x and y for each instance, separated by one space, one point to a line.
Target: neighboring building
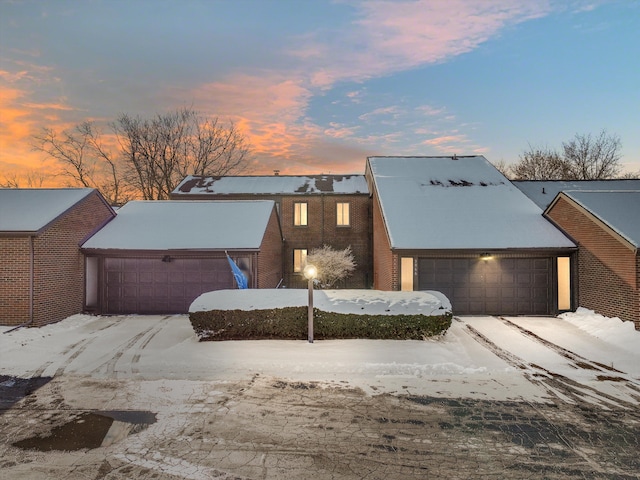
457 225
158 256
606 227
543 192
314 211
42 270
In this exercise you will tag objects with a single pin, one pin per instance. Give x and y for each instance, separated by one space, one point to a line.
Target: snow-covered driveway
504 398
536 359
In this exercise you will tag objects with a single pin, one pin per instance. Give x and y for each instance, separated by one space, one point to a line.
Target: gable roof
542 192
619 210
272 185
30 210
180 225
457 203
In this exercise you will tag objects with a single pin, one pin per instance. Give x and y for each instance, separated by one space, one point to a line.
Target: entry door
151 286
499 286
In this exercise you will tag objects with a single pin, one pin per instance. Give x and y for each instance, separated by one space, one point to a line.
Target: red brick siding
385 263
637 320
322 229
59 265
608 277
14 280
270 255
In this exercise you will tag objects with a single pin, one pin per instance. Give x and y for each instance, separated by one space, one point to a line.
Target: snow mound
361 302
612 330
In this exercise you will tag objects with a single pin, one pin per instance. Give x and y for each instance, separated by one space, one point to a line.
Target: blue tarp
238 276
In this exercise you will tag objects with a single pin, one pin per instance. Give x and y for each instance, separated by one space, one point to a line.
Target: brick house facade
608 262
323 200
42 273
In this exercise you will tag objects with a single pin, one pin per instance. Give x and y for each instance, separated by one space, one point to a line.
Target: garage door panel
150 285
497 286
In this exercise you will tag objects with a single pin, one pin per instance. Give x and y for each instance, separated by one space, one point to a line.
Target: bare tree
84 160
160 152
583 158
149 157
30 179
540 164
333 265
593 158
503 168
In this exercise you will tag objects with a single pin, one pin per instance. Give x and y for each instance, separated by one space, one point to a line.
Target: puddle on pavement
91 430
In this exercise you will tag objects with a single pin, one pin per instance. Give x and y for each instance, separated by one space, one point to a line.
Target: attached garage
157 257
458 226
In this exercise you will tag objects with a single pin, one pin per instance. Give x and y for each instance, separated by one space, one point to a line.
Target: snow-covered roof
272 185
457 203
181 225
544 191
29 210
620 210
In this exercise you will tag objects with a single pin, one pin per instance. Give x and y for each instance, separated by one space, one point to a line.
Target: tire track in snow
136 358
109 367
77 348
578 360
555 384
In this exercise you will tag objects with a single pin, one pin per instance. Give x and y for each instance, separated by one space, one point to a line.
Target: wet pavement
268 428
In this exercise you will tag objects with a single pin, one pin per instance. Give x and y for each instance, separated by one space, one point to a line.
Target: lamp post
310 272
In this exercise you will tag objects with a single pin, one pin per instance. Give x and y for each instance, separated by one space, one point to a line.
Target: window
299 259
342 214
300 214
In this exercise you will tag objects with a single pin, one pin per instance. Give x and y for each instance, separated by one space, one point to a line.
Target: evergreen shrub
290 323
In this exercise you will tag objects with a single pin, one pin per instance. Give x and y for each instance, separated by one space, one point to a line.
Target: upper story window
342 214
300 213
299 259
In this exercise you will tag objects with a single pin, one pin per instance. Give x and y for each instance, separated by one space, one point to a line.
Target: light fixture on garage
166 259
486 256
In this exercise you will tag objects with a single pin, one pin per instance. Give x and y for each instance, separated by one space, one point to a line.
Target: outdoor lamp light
310 273
486 256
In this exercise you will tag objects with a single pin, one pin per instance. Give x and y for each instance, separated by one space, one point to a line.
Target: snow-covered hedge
290 323
282 314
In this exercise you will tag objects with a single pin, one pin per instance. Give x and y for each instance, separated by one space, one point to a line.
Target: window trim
300 214
299 263
341 214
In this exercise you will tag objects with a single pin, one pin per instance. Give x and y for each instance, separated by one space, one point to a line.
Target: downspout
31 286
31 277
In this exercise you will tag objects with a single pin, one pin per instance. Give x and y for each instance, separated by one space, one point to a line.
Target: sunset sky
317 85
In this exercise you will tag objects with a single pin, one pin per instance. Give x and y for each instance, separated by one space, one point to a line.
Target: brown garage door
149 285
505 286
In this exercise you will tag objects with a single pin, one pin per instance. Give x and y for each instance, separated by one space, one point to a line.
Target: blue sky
318 85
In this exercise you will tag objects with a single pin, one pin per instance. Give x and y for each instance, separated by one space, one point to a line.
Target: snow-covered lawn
479 357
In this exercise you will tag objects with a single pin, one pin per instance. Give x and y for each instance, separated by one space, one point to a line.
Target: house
42 272
605 224
158 256
457 225
543 192
314 210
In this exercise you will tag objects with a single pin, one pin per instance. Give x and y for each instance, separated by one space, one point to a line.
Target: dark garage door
506 286
149 285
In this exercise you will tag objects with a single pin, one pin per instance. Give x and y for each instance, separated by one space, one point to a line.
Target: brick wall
14 280
322 229
385 263
270 255
608 278
58 290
